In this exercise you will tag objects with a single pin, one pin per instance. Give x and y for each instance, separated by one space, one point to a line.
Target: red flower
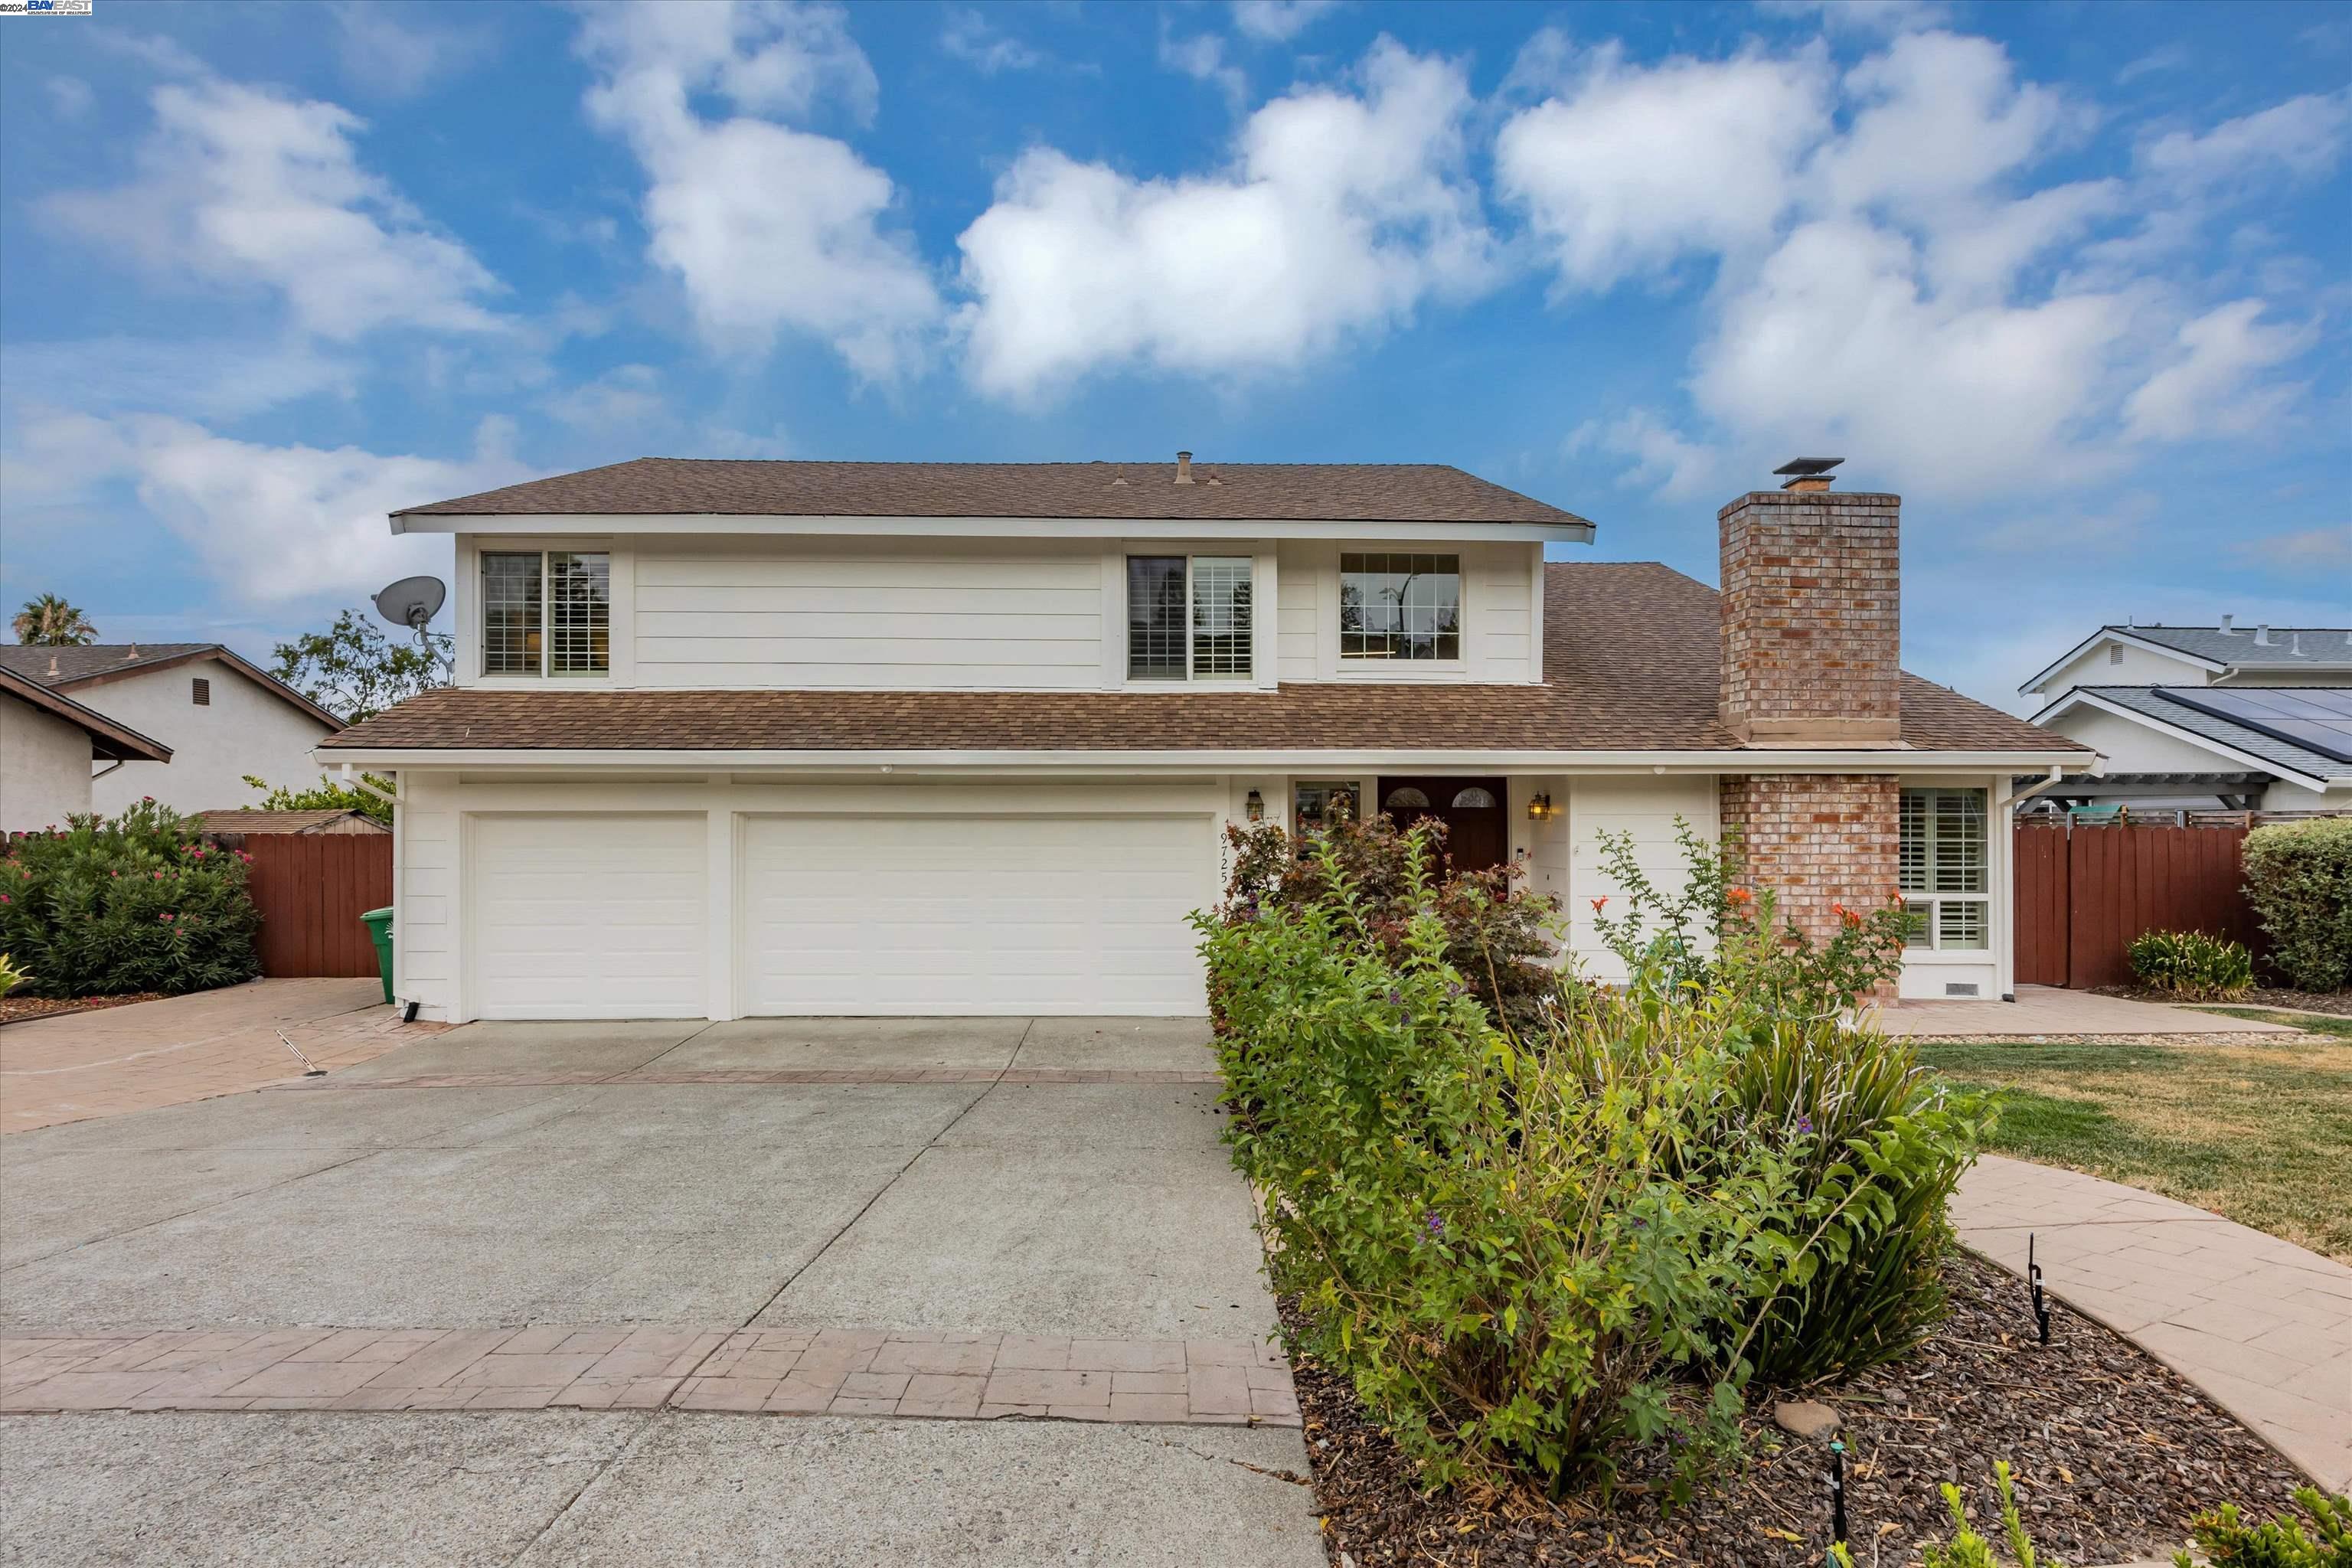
165 919
1851 919
1597 903
1738 895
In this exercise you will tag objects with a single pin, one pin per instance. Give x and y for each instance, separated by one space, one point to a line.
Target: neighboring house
307 824
739 738
48 745
2207 717
221 716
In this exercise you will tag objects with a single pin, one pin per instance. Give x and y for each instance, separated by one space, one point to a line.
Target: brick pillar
1811 593
1815 839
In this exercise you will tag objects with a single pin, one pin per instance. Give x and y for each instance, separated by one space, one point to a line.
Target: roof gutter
2058 760
1573 531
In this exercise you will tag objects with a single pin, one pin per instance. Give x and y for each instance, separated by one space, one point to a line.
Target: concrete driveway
595 1239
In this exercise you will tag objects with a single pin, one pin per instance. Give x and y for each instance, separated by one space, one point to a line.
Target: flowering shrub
1499 934
135 904
1708 931
2191 964
1558 1253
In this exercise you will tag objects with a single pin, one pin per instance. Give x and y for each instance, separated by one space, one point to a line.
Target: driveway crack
644 1429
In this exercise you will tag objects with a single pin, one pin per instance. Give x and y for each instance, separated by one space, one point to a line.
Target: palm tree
49 622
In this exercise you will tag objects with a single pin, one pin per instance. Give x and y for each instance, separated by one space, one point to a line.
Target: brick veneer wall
1811 617
1815 839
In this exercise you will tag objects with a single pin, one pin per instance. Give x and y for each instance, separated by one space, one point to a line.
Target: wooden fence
2085 893
311 888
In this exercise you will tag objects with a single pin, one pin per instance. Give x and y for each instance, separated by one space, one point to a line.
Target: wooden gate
311 888
2085 893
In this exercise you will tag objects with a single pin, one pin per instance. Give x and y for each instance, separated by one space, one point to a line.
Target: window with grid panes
1944 869
1399 605
1187 617
546 613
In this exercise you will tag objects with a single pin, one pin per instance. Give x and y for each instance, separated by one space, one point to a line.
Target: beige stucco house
52 748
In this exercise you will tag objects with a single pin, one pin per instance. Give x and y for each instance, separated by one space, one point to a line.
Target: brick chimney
1810 614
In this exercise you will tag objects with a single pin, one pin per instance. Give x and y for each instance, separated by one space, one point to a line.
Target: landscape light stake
1837 1493
309 1068
2033 1281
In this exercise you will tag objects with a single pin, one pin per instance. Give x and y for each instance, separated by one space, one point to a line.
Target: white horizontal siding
794 614
424 896
1644 807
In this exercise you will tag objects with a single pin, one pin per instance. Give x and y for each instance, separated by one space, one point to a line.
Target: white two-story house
734 738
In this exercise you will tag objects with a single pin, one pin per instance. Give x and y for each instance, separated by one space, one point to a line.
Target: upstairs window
546 613
1187 617
1401 606
1943 868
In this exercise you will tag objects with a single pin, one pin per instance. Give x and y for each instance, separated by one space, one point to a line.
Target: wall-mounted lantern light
1540 808
1257 806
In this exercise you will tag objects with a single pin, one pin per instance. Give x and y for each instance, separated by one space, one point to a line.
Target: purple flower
1435 1222
1396 999
1804 1126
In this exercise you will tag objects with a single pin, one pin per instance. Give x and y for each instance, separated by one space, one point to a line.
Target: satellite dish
412 602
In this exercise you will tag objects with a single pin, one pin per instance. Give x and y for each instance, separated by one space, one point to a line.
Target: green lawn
2261 1133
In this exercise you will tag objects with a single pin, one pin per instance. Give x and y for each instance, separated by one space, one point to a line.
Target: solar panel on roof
2317 717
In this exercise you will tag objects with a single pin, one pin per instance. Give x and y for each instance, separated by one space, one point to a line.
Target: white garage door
589 916
973 914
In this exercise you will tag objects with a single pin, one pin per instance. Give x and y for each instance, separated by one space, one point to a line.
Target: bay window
1187 617
1944 870
546 613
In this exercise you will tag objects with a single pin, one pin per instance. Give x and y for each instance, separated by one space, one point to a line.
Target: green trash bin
379 924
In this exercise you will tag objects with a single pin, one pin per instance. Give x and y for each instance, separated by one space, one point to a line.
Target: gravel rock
1805 1417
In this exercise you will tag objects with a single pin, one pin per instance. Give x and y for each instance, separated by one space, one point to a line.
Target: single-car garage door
594 915
973 914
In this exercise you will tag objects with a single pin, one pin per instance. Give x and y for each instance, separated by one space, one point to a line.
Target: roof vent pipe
1184 468
2262 635
2225 625
2296 647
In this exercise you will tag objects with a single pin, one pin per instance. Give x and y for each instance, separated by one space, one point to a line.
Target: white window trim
1932 948
1262 647
621 610
1336 667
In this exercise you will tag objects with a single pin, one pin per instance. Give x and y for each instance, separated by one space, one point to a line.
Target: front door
1476 836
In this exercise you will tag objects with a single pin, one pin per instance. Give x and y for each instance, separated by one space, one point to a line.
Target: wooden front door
1476 835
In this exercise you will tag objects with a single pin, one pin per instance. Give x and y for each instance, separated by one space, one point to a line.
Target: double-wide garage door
607 916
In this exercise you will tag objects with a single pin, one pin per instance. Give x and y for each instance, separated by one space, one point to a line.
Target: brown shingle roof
1289 492
99 664
1629 662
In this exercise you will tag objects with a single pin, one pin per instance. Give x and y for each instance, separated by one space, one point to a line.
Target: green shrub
2299 879
2192 965
135 904
1500 935
1539 1252
2229 1542
1967 1549
10 975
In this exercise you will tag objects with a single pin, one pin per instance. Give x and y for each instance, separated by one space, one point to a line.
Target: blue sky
2070 278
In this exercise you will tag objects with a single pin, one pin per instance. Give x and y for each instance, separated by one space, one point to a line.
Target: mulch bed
2113 1454
2337 1003
16 1009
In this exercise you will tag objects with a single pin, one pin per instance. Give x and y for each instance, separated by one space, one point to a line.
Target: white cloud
973 39
272 525
1632 168
1867 16
2208 391
70 96
1341 211
1279 21
1659 459
2309 550
626 398
240 187
1202 57
211 378
2303 136
769 230
1890 282
387 53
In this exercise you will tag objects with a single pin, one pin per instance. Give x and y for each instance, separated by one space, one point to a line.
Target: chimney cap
1184 468
1806 467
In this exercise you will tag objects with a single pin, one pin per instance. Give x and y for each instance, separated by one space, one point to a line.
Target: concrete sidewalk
150 1054
2260 1324
2050 1012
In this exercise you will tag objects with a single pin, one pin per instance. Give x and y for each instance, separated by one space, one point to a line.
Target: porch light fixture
1256 806
1540 808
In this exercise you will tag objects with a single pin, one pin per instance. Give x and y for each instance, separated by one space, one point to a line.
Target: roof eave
1567 529
2080 696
